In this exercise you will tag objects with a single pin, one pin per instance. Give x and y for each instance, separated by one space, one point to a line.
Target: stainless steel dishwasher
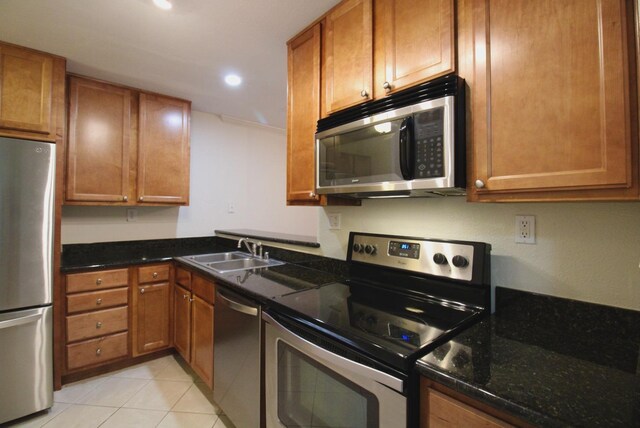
236 358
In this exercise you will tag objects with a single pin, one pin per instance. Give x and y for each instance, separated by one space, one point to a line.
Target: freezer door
27 187
26 372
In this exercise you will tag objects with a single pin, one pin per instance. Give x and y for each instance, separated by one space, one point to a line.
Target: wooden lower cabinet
151 323
116 315
96 326
182 321
202 340
440 409
151 305
193 298
97 351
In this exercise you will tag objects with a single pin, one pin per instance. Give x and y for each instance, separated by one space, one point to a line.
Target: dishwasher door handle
238 307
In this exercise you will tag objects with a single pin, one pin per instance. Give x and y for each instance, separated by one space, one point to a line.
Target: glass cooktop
391 326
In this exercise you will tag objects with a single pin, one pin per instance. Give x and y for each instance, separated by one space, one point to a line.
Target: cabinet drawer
97 351
96 323
183 277
203 288
90 281
97 300
156 273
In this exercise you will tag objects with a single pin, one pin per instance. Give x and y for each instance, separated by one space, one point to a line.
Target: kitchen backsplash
583 251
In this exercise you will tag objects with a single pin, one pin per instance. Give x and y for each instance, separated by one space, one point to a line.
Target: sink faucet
254 247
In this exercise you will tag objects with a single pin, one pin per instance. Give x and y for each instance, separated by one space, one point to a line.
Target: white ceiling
184 52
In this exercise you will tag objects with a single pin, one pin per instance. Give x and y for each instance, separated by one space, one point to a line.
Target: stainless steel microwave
410 144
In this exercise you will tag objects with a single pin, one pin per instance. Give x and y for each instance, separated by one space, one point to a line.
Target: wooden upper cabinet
30 83
413 43
163 150
99 142
303 114
348 54
552 112
125 147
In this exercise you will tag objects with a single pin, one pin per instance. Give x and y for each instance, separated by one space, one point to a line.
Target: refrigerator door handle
20 321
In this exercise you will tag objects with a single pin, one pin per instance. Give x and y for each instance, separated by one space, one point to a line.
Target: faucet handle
266 255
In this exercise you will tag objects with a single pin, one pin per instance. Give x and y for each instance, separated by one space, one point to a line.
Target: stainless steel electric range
342 354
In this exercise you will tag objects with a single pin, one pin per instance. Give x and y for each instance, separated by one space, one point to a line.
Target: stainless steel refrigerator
27 188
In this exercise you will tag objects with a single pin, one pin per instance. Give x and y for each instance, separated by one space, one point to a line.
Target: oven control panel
452 260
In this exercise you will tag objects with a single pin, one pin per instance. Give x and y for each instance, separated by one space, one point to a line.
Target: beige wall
230 164
584 251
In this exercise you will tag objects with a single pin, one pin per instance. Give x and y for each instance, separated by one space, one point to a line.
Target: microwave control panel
429 143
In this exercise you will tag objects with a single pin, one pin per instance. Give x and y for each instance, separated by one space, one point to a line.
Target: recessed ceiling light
232 79
163 4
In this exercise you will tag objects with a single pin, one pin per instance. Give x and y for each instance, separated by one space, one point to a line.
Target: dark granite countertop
105 255
549 361
545 360
284 238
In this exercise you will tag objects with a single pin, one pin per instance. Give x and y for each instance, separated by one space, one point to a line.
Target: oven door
307 385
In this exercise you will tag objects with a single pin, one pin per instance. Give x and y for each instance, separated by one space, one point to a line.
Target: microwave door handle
406 138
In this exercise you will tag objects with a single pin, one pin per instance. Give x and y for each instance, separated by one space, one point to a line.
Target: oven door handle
318 352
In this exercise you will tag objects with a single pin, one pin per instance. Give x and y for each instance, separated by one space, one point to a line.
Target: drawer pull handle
99 302
191 300
142 291
98 351
98 281
98 324
155 275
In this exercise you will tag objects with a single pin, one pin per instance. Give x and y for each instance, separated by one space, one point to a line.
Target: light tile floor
162 393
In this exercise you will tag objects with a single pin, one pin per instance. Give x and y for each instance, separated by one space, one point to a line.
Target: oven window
311 395
368 155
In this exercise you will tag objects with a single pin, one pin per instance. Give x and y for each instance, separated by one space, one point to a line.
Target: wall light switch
132 214
334 221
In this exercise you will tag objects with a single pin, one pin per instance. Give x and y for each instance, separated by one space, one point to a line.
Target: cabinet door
416 42
303 114
98 144
182 321
163 150
151 318
550 97
348 55
26 86
447 412
202 340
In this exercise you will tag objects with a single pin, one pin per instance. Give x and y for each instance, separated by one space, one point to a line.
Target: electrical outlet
525 229
132 214
334 221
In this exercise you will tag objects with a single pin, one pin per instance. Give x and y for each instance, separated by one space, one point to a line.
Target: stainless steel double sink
229 262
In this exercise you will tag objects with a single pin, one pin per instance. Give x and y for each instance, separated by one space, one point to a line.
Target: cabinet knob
191 300
312 194
98 324
98 351
155 275
479 184
98 301
386 86
98 281
364 93
185 296
141 198
125 198
142 291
